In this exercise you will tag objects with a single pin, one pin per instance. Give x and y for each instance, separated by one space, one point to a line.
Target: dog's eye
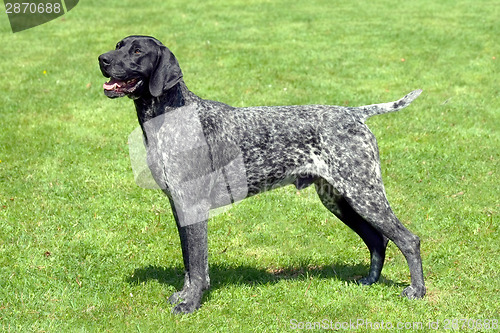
137 51
118 45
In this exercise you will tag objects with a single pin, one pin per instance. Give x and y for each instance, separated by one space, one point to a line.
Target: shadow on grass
221 275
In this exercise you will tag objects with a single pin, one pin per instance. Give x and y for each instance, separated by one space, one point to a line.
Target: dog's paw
176 297
366 281
413 292
186 307
187 300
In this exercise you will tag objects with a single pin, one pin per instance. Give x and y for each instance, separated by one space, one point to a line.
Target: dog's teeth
108 86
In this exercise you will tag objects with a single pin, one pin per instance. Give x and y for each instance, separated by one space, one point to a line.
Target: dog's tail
375 109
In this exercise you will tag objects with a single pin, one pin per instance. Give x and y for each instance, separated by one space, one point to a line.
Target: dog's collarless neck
150 107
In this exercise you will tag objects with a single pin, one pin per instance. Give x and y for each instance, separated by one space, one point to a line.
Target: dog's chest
176 146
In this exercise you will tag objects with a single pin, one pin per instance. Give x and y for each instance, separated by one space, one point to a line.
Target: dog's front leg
195 255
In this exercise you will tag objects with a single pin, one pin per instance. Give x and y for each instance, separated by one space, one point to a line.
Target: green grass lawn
83 249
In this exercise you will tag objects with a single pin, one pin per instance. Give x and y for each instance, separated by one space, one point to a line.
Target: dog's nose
104 59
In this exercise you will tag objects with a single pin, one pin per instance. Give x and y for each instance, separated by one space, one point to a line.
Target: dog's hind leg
370 203
374 240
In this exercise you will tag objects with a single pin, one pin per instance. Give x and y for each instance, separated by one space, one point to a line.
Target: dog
205 154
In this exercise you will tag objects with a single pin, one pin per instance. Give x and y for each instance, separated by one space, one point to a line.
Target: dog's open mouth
118 88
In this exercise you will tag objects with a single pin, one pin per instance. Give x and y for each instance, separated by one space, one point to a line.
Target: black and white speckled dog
206 154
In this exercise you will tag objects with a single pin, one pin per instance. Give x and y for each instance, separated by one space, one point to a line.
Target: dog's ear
166 73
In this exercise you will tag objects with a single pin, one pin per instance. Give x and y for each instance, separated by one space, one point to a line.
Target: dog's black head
138 67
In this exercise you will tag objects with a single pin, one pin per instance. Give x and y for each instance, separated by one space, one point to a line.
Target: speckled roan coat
206 154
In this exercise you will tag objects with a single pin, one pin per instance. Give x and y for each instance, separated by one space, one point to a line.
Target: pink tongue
112 84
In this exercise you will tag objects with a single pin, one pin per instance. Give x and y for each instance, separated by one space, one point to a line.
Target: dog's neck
149 107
